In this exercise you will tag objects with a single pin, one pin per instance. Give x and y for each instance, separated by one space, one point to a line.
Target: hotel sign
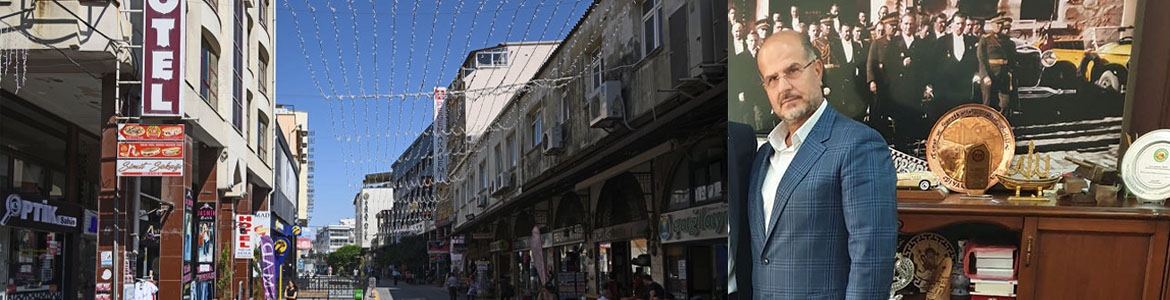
162 57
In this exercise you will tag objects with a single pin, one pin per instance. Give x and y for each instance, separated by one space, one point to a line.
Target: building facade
413 178
331 237
295 128
376 196
61 126
618 139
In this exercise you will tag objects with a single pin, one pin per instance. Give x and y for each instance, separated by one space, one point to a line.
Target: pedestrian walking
396 275
452 286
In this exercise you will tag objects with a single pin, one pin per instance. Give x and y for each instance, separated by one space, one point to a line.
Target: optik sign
162 63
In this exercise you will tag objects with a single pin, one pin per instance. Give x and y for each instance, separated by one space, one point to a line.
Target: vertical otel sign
162 63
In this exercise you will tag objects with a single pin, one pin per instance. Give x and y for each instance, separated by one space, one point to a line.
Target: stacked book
992 270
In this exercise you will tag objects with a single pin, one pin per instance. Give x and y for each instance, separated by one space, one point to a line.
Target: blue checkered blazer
833 228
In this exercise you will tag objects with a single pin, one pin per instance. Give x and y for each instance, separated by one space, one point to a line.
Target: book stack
992 270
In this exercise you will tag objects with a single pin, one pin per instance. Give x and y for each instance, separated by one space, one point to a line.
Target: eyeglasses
792 73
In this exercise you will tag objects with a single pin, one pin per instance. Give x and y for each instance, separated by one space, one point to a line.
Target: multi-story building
626 142
377 195
85 69
295 128
332 237
413 178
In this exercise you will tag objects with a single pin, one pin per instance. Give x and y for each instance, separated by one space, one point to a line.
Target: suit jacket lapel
755 199
810 151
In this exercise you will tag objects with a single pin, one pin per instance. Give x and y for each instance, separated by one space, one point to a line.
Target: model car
923 180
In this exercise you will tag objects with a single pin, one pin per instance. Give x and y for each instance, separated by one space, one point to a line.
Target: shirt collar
780 132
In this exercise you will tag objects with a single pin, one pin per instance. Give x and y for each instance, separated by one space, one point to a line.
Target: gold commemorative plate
929 251
964 128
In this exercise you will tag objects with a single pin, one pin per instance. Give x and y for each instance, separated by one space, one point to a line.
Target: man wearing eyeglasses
821 209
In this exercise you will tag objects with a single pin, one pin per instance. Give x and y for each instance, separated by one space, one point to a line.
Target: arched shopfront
621 234
693 223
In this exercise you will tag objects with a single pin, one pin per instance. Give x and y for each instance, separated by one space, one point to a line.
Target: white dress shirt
960 46
909 39
780 160
848 46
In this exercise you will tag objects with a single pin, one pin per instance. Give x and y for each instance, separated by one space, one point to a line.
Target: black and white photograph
1056 70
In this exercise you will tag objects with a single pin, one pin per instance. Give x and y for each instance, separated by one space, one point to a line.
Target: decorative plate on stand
928 251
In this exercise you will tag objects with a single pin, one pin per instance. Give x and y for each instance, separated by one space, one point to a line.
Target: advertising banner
304 244
205 241
188 235
40 214
280 248
699 223
268 266
262 223
163 57
142 132
439 136
244 237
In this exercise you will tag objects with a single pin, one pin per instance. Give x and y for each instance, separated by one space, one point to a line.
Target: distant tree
410 252
345 259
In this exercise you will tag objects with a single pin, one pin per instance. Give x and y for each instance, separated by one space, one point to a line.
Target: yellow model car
923 180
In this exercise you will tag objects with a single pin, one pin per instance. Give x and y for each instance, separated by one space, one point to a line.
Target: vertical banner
205 241
538 255
268 266
439 135
188 234
162 58
244 237
262 223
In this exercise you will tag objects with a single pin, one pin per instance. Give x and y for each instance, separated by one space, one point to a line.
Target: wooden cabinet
1066 251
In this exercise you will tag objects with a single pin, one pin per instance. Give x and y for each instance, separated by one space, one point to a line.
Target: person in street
653 289
396 276
290 291
821 201
472 288
452 286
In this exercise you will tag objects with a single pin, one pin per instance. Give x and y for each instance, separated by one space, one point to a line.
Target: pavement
405 291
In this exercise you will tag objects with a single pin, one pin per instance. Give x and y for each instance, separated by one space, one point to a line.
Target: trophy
968 147
1026 174
1145 168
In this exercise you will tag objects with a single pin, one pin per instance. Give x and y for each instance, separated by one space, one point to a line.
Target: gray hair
809 50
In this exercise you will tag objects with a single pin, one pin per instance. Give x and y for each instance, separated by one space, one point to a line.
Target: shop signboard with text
150 150
40 214
698 223
162 58
245 237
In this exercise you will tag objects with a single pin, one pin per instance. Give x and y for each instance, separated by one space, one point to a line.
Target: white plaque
1146 166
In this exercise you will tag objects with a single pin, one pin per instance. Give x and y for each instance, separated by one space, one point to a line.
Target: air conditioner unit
554 140
504 183
605 104
481 201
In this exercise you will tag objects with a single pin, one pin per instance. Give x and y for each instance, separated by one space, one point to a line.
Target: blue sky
356 136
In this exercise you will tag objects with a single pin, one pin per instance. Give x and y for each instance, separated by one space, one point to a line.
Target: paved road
404 291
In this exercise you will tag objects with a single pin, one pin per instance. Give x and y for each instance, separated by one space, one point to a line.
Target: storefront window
57 191
676 276
35 261
28 177
5 181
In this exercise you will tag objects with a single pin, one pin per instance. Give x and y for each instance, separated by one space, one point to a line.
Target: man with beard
821 198
841 75
906 59
957 66
996 55
875 75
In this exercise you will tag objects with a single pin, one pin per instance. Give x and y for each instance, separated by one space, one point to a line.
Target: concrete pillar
113 221
174 189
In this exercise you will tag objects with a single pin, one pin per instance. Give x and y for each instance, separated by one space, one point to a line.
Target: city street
404 291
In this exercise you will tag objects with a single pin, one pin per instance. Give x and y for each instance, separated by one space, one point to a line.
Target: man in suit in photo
822 216
957 67
906 62
875 74
996 53
841 73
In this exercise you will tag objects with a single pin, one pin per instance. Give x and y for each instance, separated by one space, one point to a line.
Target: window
492 58
499 158
511 141
565 110
536 129
238 68
262 15
262 136
262 72
596 69
483 177
651 26
208 74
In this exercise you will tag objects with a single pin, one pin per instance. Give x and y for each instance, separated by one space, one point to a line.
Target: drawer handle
1028 255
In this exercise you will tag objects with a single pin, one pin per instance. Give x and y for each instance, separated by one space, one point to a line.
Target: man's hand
929 94
906 61
987 80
